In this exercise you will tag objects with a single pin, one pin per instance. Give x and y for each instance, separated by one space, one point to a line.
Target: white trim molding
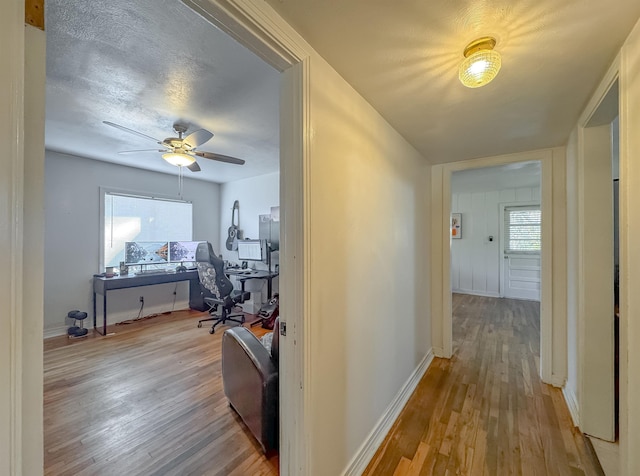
54 332
572 404
367 450
13 368
471 292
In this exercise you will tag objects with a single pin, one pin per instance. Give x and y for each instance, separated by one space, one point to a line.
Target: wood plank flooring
485 411
146 401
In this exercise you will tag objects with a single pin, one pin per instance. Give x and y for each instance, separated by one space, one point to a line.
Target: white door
521 276
521 244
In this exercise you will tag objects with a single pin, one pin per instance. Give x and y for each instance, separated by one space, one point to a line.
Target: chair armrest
211 301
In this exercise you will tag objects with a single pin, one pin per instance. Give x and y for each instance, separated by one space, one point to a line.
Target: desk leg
94 310
104 315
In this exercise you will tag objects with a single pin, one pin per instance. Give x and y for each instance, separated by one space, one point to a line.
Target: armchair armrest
250 381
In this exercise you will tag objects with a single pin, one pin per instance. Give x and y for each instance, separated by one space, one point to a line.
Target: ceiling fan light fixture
481 63
179 159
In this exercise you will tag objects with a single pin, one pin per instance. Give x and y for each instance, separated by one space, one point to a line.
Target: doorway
552 173
497 251
597 258
251 26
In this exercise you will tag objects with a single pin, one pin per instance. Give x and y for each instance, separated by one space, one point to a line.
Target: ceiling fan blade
194 167
140 150
220 157
131 131
198 137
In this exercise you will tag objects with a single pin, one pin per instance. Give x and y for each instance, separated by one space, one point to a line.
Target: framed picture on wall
456 225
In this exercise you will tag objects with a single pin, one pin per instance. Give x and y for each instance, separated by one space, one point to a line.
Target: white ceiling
403 55
502 177
146 64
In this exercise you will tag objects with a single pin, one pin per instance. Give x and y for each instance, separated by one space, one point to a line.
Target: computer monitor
251 250
146 252
180 251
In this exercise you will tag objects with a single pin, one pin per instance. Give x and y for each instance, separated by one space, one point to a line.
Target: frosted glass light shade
480 68
179 160
481 64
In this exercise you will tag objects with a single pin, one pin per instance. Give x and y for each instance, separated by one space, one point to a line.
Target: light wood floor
485 411
146 401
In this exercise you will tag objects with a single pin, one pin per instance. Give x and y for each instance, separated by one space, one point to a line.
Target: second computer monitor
251 250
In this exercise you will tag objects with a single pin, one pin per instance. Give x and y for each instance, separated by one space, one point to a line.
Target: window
142 218
522 229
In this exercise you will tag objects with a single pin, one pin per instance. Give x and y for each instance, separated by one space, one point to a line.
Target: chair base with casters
228 304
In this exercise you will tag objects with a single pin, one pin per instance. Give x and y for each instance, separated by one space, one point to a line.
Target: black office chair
217 289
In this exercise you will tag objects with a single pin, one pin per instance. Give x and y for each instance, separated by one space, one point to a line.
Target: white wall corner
367 450
439 352
572 403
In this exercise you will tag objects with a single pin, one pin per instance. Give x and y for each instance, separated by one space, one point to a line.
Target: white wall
475 261
256 196
72 201
368 279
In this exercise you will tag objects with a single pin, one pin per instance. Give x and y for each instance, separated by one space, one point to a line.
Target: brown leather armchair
250 380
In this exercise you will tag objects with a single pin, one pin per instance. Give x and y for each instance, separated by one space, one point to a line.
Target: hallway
485 411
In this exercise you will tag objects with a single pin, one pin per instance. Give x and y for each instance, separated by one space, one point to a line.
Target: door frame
502 240
552 358
595 406
255 25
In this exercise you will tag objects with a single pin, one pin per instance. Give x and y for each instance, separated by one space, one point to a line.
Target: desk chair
217 289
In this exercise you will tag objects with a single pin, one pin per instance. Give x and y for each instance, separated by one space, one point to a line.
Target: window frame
104 191
506 228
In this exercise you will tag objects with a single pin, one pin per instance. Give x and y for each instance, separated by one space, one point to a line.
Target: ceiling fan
180 151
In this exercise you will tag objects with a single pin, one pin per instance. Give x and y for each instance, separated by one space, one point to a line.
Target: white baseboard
115 317
54 332
438 352
572 403
557 381
368 449
476 293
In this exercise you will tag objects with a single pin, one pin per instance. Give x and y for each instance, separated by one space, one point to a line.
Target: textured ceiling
403 55
146 64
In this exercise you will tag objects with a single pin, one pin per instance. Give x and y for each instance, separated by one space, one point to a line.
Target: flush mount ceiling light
481 63
179 159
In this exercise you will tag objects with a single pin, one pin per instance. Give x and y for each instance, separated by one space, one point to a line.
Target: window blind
522 229
142 218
